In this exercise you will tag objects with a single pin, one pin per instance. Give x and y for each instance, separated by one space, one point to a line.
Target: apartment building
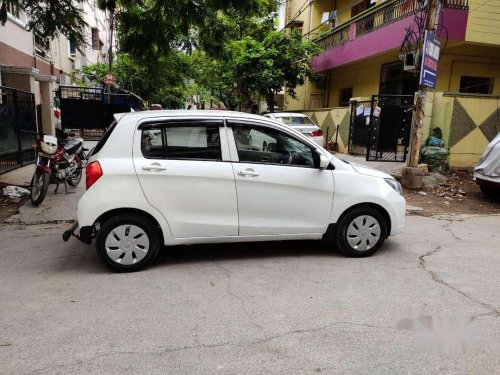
32 64
360 43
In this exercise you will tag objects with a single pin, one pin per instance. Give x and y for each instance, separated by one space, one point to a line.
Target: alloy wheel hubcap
127 244
363 233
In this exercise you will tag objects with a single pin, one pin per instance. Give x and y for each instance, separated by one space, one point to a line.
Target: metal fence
18 128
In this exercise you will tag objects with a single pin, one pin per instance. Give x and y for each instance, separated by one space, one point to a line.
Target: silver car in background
301 123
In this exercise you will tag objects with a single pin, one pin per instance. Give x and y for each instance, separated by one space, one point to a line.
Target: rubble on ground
449 187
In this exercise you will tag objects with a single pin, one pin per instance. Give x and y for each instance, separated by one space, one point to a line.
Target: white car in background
301 123
188 177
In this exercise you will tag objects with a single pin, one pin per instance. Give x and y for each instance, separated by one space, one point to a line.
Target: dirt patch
9 207
459 194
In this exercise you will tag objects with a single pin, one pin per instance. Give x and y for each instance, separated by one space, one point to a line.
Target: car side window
257 144
152 143
200 142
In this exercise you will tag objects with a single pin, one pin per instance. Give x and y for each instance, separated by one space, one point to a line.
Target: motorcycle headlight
394 184
48 149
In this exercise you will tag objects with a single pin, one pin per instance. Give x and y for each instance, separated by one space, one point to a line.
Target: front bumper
84 234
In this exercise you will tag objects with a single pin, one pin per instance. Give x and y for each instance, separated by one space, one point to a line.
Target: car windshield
295 120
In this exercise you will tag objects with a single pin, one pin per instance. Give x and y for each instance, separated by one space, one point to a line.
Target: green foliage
280 60
216 77
159 81
151 28
48 18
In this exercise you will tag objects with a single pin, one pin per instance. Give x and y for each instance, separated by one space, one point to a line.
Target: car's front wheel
361 232
127 243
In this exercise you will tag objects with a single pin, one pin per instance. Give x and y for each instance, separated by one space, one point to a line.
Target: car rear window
193 141
294 120
100 144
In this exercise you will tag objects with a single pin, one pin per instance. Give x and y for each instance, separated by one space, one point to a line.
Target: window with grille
345 96
96 43
476 85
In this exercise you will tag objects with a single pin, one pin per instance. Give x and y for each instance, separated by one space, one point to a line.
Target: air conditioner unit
411 61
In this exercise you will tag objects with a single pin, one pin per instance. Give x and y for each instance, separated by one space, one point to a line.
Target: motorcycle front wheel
39 187
76 177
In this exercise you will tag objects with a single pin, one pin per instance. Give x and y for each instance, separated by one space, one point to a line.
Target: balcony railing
376 18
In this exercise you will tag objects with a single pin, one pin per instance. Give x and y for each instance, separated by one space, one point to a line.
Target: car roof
134 117
288 114
188 113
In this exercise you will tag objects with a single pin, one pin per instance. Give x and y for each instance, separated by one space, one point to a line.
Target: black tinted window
152 143
193 142
104 138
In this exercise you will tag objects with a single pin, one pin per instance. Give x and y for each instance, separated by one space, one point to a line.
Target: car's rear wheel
361 232
127 243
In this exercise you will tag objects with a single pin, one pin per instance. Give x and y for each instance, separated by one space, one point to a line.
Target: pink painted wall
385 39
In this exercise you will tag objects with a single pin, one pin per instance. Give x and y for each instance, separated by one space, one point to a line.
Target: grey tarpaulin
488 167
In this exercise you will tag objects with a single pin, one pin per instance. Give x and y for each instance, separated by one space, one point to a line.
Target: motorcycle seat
73 146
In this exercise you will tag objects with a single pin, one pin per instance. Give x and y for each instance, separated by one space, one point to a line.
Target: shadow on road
253 250
87 261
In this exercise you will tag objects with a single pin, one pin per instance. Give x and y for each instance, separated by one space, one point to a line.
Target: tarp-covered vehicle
487 171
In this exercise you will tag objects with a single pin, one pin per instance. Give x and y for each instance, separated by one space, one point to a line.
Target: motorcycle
59 161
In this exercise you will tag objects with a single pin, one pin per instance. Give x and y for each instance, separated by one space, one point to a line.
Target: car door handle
249 172
153 167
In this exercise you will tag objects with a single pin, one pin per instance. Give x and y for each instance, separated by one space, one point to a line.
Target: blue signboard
430 58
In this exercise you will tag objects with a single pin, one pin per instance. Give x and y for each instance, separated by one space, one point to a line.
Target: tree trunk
270 101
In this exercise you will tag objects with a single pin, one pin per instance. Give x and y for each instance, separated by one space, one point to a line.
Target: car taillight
92 174
316 133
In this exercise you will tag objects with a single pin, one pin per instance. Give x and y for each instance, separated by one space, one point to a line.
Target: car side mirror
324 162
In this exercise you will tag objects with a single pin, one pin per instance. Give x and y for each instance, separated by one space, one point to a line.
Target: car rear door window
200 142
182 141
152 143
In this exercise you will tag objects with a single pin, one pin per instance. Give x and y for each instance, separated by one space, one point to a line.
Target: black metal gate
380 128
18 128
87 111
359 128
390 123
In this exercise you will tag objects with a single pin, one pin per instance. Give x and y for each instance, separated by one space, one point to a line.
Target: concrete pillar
47 93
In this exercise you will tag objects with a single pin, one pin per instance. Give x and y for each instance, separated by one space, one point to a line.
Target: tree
161 80
151 28
49 18
281 60
217 77
213 68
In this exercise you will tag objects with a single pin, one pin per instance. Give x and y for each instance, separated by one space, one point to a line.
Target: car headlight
48 149
394 184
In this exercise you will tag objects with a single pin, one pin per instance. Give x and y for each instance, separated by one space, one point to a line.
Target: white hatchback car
301 123
182 177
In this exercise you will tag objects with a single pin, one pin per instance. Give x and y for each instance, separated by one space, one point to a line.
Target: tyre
39 186
127 243
361 232
75 179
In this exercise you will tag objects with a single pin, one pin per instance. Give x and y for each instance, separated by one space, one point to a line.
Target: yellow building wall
483 25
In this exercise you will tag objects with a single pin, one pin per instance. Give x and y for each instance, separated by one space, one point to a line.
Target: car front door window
265 145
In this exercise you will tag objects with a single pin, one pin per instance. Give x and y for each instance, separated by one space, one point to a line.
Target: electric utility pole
421 96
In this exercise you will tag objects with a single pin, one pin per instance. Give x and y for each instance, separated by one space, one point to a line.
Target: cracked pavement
281 308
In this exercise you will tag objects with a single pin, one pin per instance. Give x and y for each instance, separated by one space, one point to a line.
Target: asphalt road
427 303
